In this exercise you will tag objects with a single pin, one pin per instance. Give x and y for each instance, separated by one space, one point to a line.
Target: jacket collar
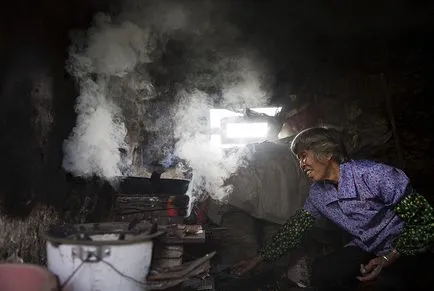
346 187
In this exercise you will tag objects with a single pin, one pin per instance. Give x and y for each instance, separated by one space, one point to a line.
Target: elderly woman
390 224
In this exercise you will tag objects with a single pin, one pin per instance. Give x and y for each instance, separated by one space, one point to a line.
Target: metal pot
106 256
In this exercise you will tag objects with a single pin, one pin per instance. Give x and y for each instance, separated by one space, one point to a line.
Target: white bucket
106 256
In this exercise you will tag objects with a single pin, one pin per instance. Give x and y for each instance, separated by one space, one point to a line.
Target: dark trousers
339 269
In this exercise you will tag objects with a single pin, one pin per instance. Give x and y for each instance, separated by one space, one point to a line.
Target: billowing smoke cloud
108 52
93 147
212 165
247 89
148 78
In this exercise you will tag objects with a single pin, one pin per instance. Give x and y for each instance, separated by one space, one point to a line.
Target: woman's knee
335 270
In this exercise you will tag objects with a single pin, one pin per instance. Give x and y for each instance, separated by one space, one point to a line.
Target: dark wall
36 99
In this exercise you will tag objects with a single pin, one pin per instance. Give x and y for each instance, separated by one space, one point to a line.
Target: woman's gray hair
322 141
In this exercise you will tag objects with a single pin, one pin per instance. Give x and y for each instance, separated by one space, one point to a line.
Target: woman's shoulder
368 166
372 171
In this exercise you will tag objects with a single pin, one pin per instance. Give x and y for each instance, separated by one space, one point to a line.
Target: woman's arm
288 237
393 187
418 216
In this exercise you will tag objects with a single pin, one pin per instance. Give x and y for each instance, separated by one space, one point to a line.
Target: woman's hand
246 265
374 267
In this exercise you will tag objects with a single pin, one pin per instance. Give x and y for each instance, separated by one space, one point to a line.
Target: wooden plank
174 276
165 263
178 273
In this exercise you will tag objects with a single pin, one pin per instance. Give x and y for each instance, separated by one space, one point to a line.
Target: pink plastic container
25 277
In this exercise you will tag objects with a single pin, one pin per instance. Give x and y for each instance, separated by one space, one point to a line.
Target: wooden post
392 120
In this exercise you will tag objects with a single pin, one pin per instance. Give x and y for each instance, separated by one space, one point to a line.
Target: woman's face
317 169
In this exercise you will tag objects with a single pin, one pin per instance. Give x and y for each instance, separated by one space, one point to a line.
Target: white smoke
93 147
247 90
212 165
110 62
108 51
115 50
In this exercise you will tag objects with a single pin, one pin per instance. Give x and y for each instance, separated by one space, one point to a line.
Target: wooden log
168 251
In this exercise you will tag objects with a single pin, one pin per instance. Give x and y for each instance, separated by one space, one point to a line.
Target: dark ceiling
281 23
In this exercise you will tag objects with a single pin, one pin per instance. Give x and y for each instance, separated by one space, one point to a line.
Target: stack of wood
162 208
168 268
163 201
